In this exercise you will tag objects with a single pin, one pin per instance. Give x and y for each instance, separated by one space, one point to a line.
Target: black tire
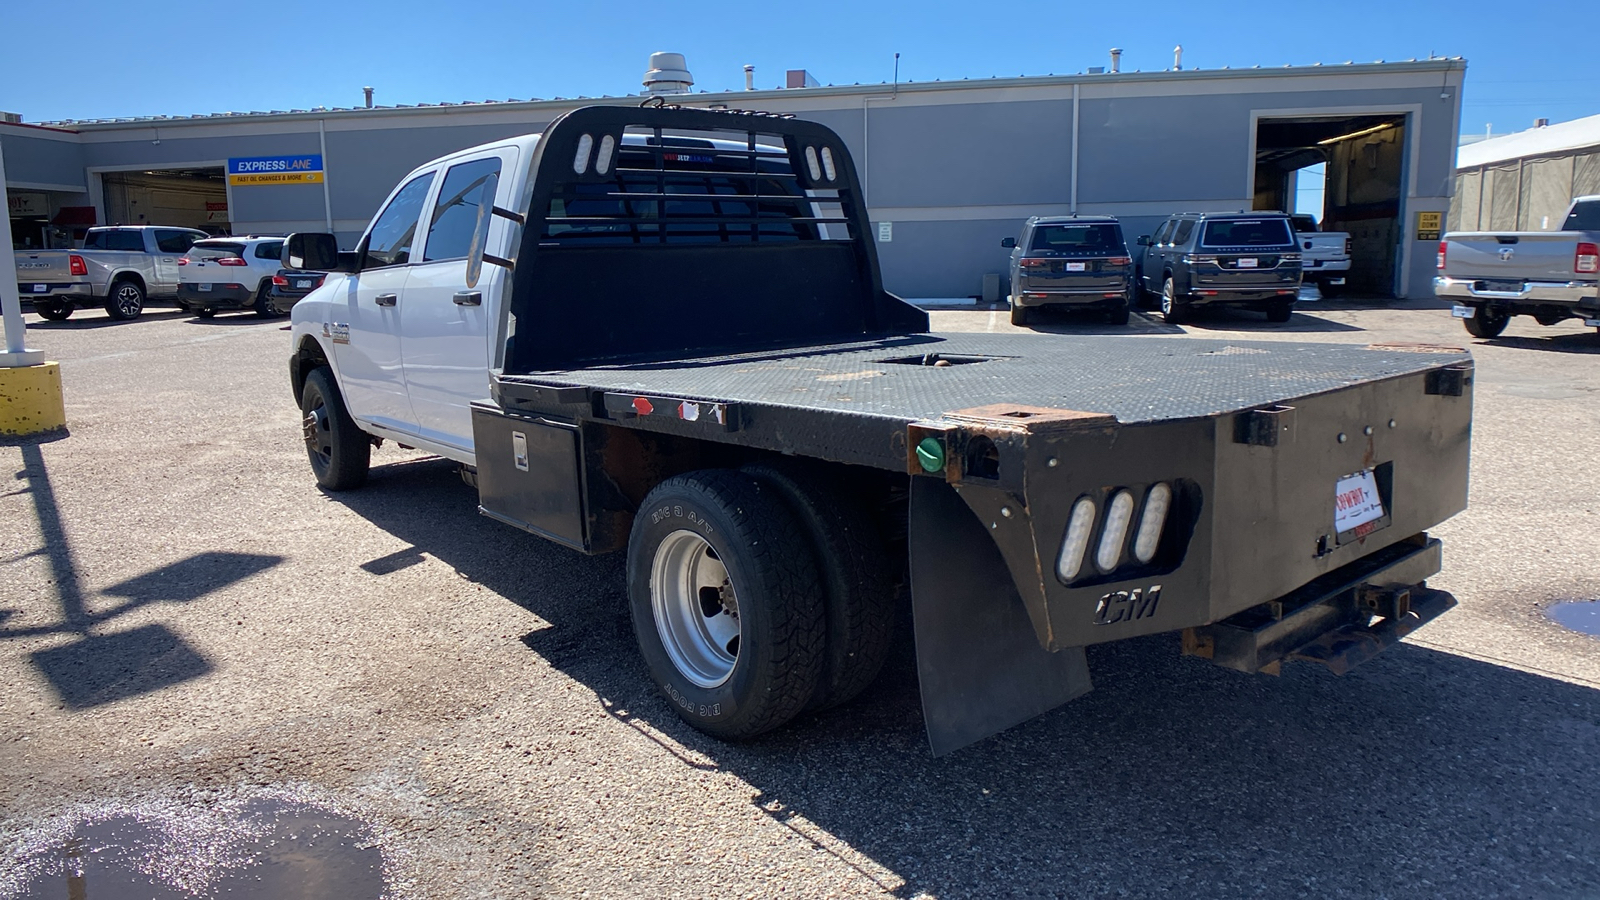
1485 324
126 300
1173 307
54 310
1118 315
1329 289
853 565
205 312
1279 311
777 653
1019 314
340 452
263 304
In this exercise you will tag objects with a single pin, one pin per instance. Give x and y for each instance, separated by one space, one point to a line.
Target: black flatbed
1136 380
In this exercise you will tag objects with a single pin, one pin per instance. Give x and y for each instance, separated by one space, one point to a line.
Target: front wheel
726 604
340 451
126 301
54 310
1486 323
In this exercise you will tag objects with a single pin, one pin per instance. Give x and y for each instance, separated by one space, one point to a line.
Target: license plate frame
41 288
1247 262
1075 267
1461 312
1359 506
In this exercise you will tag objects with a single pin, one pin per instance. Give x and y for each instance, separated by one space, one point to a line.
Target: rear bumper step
1340 620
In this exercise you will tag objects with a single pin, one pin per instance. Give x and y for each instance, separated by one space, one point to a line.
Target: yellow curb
30 399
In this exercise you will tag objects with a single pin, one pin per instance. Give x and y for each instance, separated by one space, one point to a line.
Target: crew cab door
444 323
166 246
366 345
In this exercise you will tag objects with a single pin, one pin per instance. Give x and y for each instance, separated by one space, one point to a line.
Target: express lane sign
249 170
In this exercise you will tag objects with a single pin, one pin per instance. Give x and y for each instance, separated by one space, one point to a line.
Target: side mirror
1008 243
315 251
1144 240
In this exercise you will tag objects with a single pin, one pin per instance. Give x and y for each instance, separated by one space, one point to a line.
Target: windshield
214 250
1247 233
1102 237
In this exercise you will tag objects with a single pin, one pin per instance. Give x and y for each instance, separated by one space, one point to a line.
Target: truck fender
124 275
309 354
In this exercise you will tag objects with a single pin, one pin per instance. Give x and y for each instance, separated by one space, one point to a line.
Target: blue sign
273 165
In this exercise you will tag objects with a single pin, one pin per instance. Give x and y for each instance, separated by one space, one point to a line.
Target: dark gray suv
1238 259
1070 262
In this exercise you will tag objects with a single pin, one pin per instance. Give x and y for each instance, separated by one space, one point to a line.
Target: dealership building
949 168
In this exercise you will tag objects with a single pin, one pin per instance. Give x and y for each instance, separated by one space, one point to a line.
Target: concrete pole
10 302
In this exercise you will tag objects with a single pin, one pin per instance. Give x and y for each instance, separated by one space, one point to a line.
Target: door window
175 241
130 241
455 214
1181 236
1163 232
270 250
389 242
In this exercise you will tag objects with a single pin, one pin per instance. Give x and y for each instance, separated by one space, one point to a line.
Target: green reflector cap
931 454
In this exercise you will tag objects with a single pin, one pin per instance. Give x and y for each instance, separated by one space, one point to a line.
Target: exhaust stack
368 92
749 78
1116 60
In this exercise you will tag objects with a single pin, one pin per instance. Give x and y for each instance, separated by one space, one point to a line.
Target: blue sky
112 59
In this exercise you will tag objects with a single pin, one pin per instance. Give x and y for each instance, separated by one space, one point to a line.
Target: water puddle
1578 615
263 848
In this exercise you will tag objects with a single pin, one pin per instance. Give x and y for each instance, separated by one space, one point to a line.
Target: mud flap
979 663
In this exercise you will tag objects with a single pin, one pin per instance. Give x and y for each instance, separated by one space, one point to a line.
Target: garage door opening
1363 160
190 198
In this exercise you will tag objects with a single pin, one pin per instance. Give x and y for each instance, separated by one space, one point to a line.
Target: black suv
1070 262
1239 259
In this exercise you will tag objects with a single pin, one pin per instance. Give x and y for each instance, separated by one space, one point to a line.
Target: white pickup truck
1324 255
1550 275
119 268
664 332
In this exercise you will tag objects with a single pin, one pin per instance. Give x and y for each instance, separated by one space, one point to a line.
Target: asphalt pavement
192 635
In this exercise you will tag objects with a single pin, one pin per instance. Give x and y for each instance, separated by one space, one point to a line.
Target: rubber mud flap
979 663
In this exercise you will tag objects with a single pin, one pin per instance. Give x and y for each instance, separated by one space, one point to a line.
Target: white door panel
370 371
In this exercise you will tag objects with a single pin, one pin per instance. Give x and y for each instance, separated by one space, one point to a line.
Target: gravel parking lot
195 639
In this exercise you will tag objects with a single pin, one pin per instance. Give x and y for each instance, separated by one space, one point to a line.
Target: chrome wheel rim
1166 298
695 609
128 299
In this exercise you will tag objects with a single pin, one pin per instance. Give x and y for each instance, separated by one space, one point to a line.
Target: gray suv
1237 259
1070 262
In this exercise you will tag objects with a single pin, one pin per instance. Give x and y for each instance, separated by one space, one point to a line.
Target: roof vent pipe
1177 58
1116 60
368 92
669 74
749 78
1541 123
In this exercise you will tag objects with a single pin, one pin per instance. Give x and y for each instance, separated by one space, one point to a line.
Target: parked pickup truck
118 268
1550 275
1324 255
663 332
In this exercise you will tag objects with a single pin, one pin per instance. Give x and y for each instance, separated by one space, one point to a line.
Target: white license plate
1461 312
1075 267
1248 262
1356 503
202 287
303 284
41 289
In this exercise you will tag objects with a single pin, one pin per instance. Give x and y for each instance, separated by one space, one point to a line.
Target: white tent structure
1524 181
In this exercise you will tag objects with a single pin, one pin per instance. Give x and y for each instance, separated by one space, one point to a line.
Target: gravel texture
187 623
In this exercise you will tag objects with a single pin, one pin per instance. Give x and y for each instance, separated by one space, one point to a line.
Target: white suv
229 273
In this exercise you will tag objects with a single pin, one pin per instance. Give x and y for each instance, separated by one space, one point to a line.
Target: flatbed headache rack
765 331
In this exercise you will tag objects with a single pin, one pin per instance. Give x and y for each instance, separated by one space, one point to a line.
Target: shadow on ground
1420 774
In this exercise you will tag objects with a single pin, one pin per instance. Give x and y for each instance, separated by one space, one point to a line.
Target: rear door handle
468 298
386 299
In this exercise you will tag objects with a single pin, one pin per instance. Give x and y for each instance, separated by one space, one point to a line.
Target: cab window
455 214
1163 232
1185 228
389 242
175 241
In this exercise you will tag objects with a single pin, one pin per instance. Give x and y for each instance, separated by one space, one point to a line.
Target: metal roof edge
1438 64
